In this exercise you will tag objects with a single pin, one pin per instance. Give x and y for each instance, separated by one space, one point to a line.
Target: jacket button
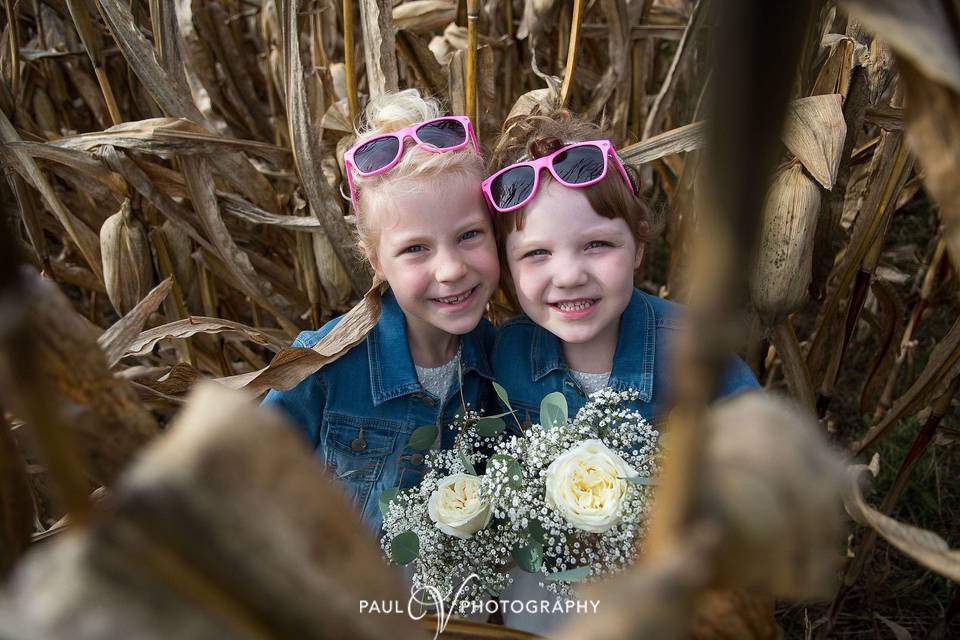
416 459
358 444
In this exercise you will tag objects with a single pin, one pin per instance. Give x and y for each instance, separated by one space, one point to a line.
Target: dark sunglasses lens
512 187
376 154
579 164
442 134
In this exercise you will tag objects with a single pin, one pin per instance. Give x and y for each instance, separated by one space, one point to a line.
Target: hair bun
544 147
394 111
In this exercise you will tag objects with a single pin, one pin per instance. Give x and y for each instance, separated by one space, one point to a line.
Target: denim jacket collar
632 361
392 373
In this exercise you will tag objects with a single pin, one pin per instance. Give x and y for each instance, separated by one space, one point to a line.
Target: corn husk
782 272
127 269
537 17
424 16
531 100
441 48
814 132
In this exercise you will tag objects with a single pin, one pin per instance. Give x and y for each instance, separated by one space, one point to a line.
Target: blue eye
535 253
596 244
417 248
470 235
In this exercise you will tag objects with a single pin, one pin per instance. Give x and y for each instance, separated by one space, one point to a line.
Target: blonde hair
392 112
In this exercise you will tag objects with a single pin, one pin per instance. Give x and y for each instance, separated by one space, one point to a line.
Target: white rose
456 508
584 485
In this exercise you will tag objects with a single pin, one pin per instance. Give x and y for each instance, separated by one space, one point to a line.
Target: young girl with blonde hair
414 179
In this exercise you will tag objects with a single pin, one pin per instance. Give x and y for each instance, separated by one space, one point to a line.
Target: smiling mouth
456 299
574 305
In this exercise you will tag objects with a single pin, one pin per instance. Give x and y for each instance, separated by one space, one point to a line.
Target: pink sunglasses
576 165
381 153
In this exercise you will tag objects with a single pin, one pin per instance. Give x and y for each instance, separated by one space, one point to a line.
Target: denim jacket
358 412
528 361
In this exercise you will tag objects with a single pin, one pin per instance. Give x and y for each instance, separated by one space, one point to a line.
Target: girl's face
436 249
572 268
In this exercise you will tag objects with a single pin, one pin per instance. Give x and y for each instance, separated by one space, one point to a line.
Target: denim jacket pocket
356 452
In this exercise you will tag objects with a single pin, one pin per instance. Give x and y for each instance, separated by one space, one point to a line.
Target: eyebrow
602 229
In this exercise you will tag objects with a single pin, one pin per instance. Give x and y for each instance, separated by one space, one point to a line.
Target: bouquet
576 491
567 499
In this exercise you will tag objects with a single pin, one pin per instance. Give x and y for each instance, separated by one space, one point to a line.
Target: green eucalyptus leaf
423 437
570 575
386 497
536 532
490 426
467 465
644 481
405 548
553 410
502 394
530 557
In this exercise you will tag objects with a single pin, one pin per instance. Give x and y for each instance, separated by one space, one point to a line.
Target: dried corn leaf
135 176
337 117
237 206
200 185
919 30
543 99
379 48
333 277
76 161
891 331
424 16
114 341
147 340
180 251
834 75
679 140
169 135
324 201
926 547
942 367
291 366
142 60
538 16
428 71
814 132
85 239
200 67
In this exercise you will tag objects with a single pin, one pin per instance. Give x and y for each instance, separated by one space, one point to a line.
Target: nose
450 266
569 273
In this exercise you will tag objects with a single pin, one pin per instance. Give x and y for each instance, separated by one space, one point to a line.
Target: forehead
561 212
438 203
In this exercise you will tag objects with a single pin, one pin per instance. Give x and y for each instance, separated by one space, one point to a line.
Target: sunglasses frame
401 135
546 162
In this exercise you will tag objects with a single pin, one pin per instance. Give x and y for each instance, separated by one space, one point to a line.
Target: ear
639 257
373 259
